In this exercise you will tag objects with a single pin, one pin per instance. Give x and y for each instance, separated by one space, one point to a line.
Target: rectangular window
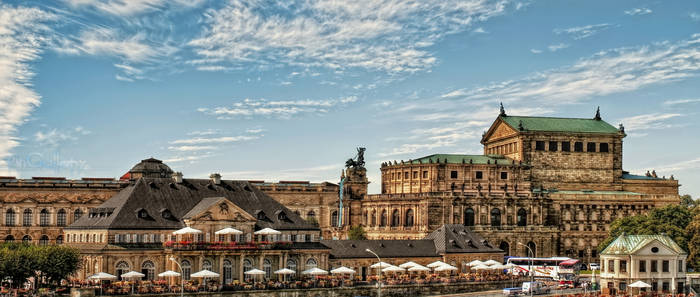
453 174
680 265
405 175
479 175
553 146
578 146
425 174
590 147
665 287
539 145
654 266
611 265
642 266
566 146
504 175
604 148
415 174
664 266
623 266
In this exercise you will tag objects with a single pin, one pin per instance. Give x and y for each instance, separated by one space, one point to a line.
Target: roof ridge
543 117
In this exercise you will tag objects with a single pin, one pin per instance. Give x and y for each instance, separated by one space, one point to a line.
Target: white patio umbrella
315 271
499 266
408 264
254 272
435 264
481 267
284 272
267 231
639 284
380 265
228 231
475 263
204 274
393 269
445 267
133 274
491 262
342 270
100 276
187 230
169 274
418 268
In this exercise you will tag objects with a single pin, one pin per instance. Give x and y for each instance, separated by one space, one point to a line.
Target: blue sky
285 90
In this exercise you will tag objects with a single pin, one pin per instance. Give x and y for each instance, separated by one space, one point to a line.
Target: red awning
569 262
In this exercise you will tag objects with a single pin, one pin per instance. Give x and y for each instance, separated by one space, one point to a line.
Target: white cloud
55 136
582 32
280 109
680 101
255 131
379 35
190 158
205 132
21 41
638 11
653 121
215 140
192 148
479 30
607 72
535 51
557 47
694 16
131 7
314 174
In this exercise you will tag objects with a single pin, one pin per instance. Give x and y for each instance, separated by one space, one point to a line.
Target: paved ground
499 293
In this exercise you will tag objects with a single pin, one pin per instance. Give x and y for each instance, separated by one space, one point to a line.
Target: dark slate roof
203 205
455 238
343 249
152 165
157 195
551 124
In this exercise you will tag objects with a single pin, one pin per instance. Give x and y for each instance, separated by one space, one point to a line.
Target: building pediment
499 130
655 248
218 209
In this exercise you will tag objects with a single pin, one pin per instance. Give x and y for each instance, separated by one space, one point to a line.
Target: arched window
44 240
27 239
122 267
247 265
228 271
496 217
206 264
292 264
468 217
395 218
532 251
61 217
27 217
310 214
409 218
311 263
148 269
374 218
77 214
10 217
382 220
267 267
522 217
186 269
334 219
9 238
505 247
59 239
44 217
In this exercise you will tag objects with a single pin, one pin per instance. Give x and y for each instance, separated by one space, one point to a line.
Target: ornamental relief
53 197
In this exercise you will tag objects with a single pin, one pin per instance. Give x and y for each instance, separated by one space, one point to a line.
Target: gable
221 210
499 130
646 249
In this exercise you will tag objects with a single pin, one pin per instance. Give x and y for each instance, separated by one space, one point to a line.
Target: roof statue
503 111
358 161
597 114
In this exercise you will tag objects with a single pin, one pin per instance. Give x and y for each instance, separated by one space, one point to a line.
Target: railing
261 245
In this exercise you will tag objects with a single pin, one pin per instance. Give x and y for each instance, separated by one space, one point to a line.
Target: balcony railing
227 246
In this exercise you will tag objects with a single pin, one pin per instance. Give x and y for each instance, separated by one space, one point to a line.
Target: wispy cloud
637 125
55 136
191 148
210 140
558 47
680 101
130 7
382 35
694 16
314 174
678 166
535 51
280 109
582 32
638 11
607 72
21 39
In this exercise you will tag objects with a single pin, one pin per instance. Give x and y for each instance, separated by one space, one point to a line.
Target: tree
58 262
688 201
693 233
357 233
18 261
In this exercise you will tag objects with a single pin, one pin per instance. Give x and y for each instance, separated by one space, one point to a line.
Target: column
240 267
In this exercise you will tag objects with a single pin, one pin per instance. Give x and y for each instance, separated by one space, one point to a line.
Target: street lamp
379 272
182 276
532 276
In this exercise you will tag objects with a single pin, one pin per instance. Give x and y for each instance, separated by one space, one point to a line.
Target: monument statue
358 161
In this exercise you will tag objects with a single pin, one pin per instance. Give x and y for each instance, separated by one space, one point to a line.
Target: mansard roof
455 238
553 124
630 244
156 195
344 249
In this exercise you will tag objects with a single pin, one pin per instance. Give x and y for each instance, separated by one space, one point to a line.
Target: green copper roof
457 159
629 244
560 124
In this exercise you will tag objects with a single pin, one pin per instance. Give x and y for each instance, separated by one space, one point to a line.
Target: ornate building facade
552 185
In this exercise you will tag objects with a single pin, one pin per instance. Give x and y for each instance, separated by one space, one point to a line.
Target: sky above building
286 90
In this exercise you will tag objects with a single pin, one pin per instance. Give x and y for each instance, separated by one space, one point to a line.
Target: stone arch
409 218
395 218
522 217
383 219
505 247
148 269
122 267
469 217
496 217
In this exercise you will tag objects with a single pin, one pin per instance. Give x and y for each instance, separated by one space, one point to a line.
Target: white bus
554 267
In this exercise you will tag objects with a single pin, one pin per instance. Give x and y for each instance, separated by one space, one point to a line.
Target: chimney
215 178
177 177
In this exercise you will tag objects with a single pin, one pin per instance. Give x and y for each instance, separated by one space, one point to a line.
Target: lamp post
532 275
182 277
379 272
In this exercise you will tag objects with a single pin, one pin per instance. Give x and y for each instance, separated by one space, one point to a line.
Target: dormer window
166 214
261 215
142 214
282 216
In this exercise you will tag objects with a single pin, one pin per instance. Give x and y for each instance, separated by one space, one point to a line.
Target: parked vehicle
594 266
535 287
512 291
